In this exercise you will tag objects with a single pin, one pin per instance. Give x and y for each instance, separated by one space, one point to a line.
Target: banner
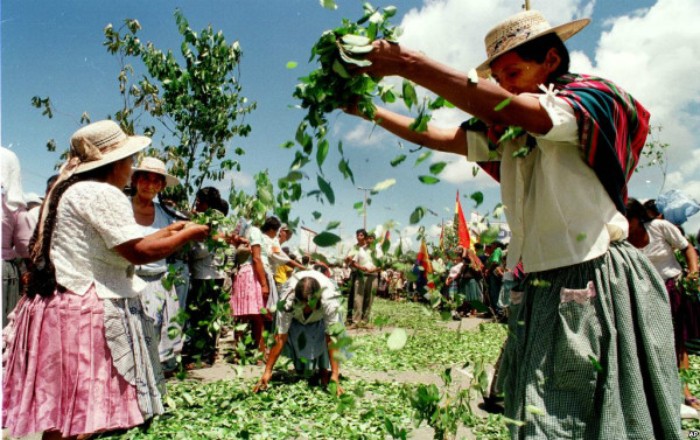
462 228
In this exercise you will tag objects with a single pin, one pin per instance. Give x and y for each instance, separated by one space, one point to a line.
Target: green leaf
478 198
490 235
326 239
292 64
358 205
398 159
428 180
316 214
417 215
344 167
332 225
503 104
422 157
437 167
532 409
326 188
384 184
329 4
397 340
340 69
355 40
322 152
409 94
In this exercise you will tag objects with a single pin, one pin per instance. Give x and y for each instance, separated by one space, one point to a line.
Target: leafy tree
197 101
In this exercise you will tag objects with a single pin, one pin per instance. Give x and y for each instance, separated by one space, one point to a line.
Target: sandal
693 402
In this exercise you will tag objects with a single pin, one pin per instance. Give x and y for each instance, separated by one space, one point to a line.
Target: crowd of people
118 287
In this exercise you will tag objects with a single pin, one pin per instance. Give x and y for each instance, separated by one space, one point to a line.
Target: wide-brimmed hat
101 143
156 166
518 30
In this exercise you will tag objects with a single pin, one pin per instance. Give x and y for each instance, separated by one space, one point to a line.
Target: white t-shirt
362 257
664 238
328 309
557 209
92 218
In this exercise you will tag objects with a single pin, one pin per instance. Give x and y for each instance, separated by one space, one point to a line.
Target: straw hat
156 166
518 30
101 143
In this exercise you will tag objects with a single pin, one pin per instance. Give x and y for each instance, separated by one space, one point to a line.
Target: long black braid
42 273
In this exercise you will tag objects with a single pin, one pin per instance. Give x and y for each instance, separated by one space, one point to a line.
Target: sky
54 49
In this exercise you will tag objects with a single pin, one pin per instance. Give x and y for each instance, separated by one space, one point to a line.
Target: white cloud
452 31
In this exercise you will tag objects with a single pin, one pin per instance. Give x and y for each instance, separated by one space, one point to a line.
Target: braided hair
41 277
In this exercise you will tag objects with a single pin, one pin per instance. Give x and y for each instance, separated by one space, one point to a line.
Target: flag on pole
423 258
462 229
442 236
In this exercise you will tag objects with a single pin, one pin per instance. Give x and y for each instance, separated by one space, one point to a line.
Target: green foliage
290 409
337 83
198 101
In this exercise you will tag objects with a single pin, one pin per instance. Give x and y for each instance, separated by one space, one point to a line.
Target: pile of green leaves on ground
692 378
404 314
429 348
291 409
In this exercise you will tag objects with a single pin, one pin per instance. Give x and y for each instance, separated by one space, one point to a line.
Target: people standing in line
583 321
363 281
81 356
17 230
305 329
160 302
659 239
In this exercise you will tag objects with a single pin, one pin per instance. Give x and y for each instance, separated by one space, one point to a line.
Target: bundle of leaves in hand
331 86
218 224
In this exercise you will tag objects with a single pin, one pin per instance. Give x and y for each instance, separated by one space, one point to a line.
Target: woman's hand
177 226
387 59
263 382
265 292
197 232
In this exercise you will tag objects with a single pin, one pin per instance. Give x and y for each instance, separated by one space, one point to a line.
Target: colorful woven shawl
612 126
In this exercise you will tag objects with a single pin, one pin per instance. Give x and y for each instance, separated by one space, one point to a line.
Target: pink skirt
59 374
246 296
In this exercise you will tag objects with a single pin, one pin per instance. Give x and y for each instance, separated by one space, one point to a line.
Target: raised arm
479 99
448 139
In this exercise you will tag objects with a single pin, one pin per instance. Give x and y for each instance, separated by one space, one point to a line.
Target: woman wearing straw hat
588 354
80 352
160 303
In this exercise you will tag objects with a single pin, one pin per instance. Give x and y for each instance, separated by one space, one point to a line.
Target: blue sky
55 49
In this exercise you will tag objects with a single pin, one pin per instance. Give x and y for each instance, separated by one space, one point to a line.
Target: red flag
423 258
462 229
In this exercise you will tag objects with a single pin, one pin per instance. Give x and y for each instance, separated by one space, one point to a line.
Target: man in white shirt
363 281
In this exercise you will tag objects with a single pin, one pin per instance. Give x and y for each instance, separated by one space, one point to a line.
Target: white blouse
664 239
328 309
557 209
92 218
